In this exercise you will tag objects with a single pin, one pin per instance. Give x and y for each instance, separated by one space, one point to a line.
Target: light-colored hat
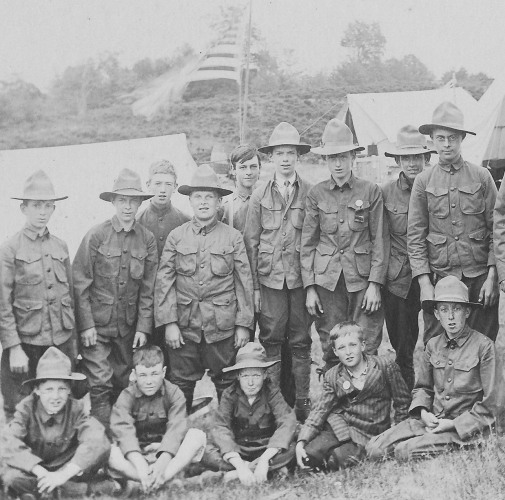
55 365
204 179
252 355
128 183
449 289
39 187
446 115
337 138
285 135
409 141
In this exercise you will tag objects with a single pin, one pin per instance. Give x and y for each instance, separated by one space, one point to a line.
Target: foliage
366 40
476 83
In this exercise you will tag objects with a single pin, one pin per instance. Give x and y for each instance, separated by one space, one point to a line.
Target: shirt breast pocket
271 215
28 269
471 200
108 261
438 363
185 260
397 218
328 217
467 376
137 263
297 215
358 215
221 261
438 202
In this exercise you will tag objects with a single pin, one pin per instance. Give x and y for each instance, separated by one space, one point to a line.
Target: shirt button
283 249
152 413
200 300
447 398
48 270
450 363
202 265
121 282
123 267
285 218
452 173
395 210
47 255
456 238
454 222
283 234
125 251
453 188
453 205
49 286
341 221
161 238
201 282
161 219
341 251
438 362
449 380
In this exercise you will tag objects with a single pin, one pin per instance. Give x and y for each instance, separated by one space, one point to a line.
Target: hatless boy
35 293
355 404
114 272
149 425
456 397
254 429
52 442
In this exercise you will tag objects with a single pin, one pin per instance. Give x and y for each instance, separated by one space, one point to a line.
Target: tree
476 84
367 41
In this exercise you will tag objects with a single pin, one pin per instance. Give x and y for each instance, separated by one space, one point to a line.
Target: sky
40 38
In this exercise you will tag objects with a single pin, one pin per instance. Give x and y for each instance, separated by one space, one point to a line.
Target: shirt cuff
230 454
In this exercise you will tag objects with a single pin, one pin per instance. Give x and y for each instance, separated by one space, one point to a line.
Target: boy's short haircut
244 153
162 167
345 328
148 356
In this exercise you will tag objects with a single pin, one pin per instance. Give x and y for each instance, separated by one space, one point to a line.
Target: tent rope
321 117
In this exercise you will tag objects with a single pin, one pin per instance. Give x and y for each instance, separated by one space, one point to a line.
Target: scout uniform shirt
244 428
396 196
273 232
235 207
114 273
359 414
161 222
451 220
35 290
204 282
34 437
344 232
459 380
138 420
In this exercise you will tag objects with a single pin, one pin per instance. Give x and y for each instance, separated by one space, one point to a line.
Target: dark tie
452 344
286 191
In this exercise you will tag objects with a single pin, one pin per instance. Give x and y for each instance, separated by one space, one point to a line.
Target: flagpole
246 83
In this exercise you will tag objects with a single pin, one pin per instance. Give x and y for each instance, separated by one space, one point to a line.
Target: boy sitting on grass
456 397
52 443
149 426
355 404
254 428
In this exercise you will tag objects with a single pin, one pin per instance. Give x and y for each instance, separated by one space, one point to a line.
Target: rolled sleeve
177 424
252 235
165 306
243 285
309 241
122 424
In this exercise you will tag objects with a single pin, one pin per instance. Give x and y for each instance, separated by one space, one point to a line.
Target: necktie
286 191
452 344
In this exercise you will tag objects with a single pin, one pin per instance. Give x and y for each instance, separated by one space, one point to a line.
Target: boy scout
451 224
272 236
401 293
456 396
52 442
203 290
254 428
344 245
35 293
245 167
114 272
149 425
355 404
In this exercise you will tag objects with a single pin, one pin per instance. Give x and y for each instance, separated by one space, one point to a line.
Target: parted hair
243 153
148 356
162 167
345 328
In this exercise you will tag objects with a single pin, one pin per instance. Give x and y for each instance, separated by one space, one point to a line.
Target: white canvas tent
376 118
82 172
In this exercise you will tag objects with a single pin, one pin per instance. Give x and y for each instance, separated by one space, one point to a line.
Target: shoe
302 409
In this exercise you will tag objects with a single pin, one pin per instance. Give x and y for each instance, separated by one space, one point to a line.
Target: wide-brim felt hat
409 141
449 289
127 183
337 138
55 365
39 187
446 115
285 135
204 179
252 355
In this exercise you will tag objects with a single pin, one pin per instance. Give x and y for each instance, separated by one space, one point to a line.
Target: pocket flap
363 249
436 191
466 364
139 254
102 297
436 239
223 300
222 250
437 361
328 207
396 209
27 304
109 252
25 257
270 205
479 235
61 256
184 300
471 188
186 250
352 205
325 249
265 248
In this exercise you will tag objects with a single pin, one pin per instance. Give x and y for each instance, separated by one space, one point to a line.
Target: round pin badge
347 385
359 203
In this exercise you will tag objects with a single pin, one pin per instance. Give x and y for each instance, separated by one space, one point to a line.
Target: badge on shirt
358 217
347 385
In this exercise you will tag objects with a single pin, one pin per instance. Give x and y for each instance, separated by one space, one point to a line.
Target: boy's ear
133 376
22 207
164 371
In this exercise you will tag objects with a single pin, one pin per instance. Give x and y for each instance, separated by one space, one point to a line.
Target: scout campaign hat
446 115
204 179
449 289
54 364
252 355
127 183
39 187
409 141
337 138
285 135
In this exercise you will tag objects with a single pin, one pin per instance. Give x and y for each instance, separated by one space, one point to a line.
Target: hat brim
187 190
429 305
408 152
250 364
73 376
301 148
39 198
427 128
109 195
335 150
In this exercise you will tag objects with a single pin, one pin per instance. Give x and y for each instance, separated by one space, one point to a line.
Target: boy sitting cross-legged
355 404
149 425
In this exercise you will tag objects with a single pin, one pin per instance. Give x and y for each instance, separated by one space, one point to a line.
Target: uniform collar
198 228
457 164
33 234
292 180
460 339
349 183
242 196
364 372
46 417
160 211
118 227
403 183
138 393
